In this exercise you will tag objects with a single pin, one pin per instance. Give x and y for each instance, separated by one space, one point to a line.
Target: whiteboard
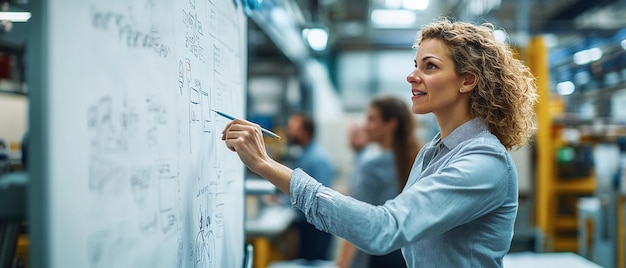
138 175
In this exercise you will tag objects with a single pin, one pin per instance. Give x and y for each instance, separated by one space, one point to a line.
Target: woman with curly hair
459 205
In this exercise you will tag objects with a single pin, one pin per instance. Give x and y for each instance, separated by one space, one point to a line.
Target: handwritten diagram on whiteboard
139 175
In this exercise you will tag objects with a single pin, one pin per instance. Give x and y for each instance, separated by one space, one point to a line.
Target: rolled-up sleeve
340 215
458 193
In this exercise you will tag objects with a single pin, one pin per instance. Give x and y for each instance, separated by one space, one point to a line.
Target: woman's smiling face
435 85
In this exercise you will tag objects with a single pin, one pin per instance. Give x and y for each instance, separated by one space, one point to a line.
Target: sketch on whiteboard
195 116
106 177
204 249
143 193
199 100
99 248
107 247
218 218
188 71
155 121
127 30
223 29
181 77
129 122
107 130
213 21
193 34
150 4
104 129
218 60
216 195
206 121
168 189
158 112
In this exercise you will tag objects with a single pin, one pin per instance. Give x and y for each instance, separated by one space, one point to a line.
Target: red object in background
5 66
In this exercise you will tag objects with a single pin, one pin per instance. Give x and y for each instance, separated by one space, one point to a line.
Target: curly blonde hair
506 94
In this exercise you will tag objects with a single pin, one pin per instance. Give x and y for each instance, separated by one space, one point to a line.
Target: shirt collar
462 133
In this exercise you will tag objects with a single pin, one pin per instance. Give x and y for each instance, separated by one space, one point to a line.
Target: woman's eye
430 66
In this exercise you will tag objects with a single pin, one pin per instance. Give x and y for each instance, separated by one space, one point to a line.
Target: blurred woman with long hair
390 125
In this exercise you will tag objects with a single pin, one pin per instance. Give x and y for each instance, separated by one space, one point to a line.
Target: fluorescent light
388 18
588 55
393 4
623 43
581 57
280 16
550 40
316 37
15 16
415 4
565 88
481 7
499 35
595 54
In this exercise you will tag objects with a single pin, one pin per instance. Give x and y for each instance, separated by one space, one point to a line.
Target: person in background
5 162
390 124
313 243
24 148
357 135
459 205
301 131
362 148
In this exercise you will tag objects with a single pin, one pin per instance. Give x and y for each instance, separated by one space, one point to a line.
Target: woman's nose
412 77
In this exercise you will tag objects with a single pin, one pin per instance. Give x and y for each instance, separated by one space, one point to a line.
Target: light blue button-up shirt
457 209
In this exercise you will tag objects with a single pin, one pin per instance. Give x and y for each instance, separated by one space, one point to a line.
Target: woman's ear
469 82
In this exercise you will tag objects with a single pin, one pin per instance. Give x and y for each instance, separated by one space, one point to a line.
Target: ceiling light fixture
15 16
393 18
317 38
415 4
588 55
565 88
499 35
480 7
393 4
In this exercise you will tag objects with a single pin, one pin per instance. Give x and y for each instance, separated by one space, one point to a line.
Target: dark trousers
314 243
393 259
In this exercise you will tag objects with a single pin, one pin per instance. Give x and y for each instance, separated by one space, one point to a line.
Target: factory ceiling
350 26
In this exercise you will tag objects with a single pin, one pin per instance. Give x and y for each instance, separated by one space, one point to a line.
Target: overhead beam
563 20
